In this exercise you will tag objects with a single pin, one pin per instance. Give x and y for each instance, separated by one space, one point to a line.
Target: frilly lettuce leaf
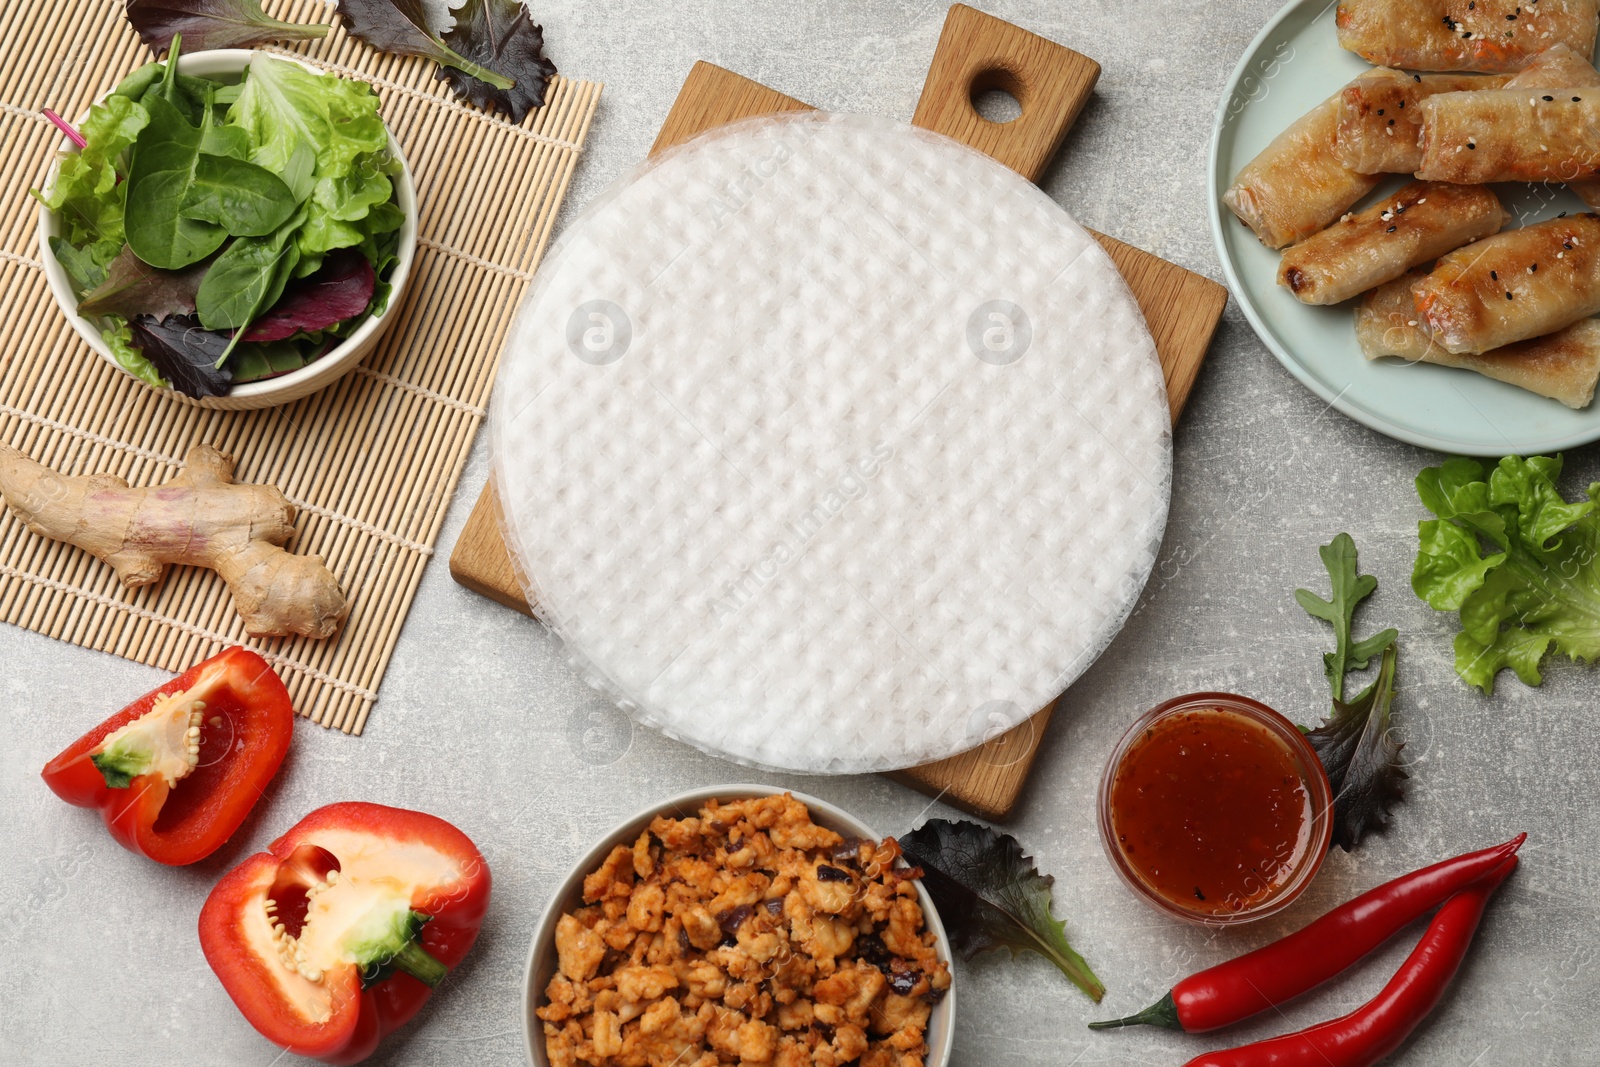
86 192
285 110
1539 586
119 338
283 104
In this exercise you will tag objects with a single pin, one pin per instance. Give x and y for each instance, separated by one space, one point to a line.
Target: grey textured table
481 723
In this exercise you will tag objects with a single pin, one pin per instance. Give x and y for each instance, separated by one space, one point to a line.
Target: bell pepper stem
415 961
1162 1013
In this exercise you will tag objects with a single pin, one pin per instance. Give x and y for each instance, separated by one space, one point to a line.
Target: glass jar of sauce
1214 808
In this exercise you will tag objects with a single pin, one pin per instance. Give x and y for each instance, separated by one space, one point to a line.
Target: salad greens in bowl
232 225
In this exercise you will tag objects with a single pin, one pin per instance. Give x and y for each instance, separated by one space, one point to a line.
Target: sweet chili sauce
1210 809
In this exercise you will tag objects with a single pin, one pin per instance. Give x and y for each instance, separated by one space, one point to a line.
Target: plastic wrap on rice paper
827 444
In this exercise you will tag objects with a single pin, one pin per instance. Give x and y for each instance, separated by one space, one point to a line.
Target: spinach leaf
132 287
242 198
163 170
990 895
247 279
255 362
213 24
185 353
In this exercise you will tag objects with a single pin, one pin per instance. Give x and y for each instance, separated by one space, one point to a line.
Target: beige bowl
542 956
296 384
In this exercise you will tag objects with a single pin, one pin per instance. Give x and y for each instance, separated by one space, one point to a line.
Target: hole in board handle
997 95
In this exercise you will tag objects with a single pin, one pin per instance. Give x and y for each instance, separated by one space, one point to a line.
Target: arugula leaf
1540 591
401 26
500 35
990 895
184 352
341 290
213 24
133 287
1362 758
118 336
1349 590
1354 745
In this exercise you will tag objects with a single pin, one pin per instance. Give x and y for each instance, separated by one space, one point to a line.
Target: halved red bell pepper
338 934
174 773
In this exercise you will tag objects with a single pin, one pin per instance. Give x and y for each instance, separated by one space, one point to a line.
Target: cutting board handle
978 52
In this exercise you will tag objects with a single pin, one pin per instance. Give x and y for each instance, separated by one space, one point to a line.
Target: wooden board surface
1052 83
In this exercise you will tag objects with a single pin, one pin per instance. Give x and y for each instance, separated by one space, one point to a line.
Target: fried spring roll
1297 185
1511 135
1560 68
1515 285
1563 366
1486 35
1379 119
1418 224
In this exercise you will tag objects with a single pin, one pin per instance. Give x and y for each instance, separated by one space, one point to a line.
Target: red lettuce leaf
500 35
184 352
991 896
340 289
213 24
132 288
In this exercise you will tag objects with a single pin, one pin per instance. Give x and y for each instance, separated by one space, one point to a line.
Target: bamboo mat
371 461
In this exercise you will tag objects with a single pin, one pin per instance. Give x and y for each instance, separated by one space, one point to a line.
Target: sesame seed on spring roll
1418 224
1297 185
1515 285
1486 35
1563 366
1379 116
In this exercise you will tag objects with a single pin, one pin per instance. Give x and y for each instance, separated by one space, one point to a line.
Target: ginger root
201 518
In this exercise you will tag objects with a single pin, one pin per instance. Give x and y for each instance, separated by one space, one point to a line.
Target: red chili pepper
1232 991
174 773
1378 1027
338 934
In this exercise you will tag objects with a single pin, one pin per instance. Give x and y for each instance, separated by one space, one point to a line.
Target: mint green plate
1295 63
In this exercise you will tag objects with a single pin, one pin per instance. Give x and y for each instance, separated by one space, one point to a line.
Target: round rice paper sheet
829 445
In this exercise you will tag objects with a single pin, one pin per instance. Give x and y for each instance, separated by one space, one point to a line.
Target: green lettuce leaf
283 105
990 896
86 193
324 134
1537 589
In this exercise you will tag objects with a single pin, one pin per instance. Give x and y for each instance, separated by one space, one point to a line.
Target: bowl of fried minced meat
740 925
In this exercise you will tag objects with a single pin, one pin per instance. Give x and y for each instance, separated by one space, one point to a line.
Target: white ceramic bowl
296 384
542 955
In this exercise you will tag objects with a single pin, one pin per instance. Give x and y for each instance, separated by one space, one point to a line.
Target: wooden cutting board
976 52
